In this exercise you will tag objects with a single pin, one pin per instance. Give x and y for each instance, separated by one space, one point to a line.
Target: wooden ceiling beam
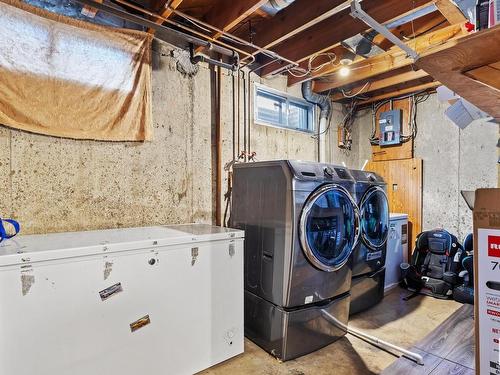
166 10
393 59
394 94
226 14
451 12
328 33
295 18
381 83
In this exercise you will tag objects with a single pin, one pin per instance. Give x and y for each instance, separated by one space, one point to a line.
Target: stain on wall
53 185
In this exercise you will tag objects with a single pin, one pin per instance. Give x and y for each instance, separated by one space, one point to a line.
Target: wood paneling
396 152
404 190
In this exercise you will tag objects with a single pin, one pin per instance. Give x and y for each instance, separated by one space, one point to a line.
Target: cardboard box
487 280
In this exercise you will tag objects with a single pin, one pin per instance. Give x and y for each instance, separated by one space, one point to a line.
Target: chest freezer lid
42 247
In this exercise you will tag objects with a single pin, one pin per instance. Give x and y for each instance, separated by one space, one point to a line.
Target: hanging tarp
70 78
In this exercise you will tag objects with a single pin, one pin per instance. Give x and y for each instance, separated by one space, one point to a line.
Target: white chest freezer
397 248
162 300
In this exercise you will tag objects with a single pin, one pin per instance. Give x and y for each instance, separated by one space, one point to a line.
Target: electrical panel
390 127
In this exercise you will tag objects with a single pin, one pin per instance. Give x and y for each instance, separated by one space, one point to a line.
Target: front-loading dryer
301 226
368 268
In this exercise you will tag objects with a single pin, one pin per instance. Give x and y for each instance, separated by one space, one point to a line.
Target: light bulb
344 71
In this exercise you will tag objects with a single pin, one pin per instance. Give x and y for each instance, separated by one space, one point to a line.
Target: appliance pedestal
367 291
291 333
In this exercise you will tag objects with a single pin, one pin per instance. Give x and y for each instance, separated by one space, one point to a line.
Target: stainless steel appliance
368 269
301 225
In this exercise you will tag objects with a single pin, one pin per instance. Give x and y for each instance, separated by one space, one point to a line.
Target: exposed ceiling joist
381 83
451 12
166 9
409 90
295 18
341 26
226 14
385 62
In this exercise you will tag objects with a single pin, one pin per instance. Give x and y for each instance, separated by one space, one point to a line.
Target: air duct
325 105
274 6
323 101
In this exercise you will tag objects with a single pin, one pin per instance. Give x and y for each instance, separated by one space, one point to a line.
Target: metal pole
372 339
357 12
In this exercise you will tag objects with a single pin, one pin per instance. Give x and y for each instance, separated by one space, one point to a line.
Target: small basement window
275 108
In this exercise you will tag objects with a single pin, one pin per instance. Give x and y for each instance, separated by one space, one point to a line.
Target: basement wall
52 185
453 160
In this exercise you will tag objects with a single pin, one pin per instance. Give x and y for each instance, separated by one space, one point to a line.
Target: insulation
69 78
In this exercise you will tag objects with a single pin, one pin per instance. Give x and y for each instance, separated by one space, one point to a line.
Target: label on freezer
488 255
110 291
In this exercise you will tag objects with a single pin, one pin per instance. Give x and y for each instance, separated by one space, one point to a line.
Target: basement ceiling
306 39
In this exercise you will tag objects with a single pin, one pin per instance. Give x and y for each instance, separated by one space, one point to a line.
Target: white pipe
364 165
372 339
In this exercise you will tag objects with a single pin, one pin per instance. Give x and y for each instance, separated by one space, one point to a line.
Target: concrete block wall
453 160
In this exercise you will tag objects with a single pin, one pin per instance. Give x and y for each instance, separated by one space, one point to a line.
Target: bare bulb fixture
344 71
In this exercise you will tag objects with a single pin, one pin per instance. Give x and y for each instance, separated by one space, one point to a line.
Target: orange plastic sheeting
69 78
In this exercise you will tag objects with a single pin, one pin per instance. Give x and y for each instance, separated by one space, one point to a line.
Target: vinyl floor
449 349
403 323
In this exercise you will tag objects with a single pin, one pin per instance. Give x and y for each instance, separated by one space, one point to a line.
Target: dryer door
329 227
374 218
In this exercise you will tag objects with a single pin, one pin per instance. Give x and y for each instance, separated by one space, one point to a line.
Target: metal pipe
164 19
244 118
239 114
234 115
200 58
372 339
152 25
218 140
258 49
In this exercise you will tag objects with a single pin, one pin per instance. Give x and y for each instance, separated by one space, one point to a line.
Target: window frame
288 99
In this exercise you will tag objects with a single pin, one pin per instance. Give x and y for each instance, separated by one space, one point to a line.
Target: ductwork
274 6
322 101
325 105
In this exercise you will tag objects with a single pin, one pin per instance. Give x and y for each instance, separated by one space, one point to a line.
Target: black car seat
435 265
464 293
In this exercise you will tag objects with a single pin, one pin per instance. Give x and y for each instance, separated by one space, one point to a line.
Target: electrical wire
354 95
310 69
415 99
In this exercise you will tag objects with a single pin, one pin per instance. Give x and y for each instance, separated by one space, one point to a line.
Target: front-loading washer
301 226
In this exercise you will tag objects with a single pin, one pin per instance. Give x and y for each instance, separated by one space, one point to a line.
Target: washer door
374 218
329 227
